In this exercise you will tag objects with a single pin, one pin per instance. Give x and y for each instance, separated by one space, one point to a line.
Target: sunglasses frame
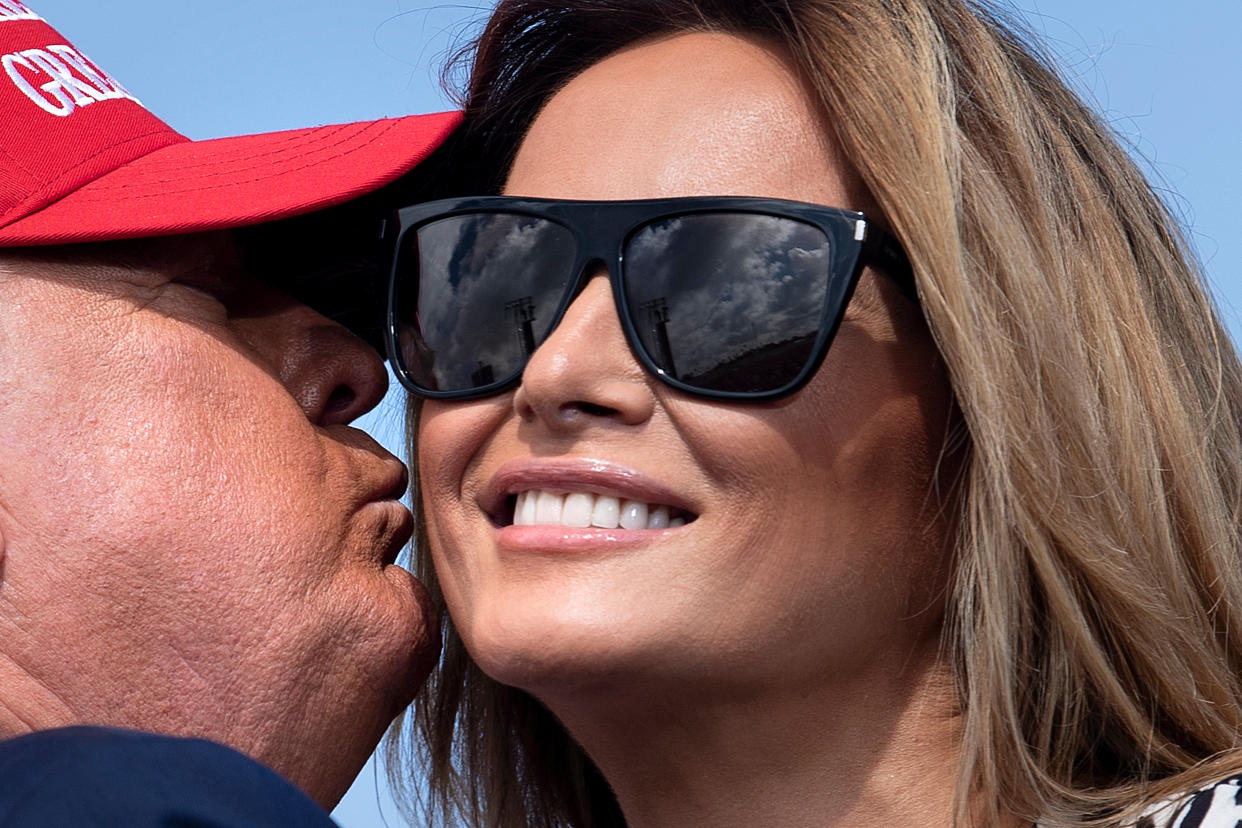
601 230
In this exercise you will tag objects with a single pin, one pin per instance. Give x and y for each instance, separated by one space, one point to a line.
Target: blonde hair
1096 617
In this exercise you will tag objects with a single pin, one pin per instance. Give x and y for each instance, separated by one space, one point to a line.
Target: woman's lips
583 494
544 540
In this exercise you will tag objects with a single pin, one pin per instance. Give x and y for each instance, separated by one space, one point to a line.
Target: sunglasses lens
474 294
729 302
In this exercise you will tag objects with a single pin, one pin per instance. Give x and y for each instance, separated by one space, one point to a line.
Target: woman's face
817 540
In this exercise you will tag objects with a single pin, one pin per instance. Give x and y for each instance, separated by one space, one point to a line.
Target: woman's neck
875 748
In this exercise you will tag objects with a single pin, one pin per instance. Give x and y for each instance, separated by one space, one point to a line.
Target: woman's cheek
452 438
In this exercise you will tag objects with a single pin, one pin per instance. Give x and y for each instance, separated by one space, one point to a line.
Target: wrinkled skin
195 541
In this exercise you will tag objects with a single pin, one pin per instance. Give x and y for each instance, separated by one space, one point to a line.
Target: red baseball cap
82 160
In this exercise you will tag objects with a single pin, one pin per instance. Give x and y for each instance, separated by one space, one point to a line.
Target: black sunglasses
724 297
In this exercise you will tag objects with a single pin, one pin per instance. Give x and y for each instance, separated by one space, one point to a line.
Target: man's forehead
318 260
137 260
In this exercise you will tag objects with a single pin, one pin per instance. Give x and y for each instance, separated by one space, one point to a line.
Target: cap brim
196 186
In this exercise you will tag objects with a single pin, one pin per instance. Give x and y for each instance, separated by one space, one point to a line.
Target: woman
947 542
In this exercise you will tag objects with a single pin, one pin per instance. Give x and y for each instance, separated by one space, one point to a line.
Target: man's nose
334 376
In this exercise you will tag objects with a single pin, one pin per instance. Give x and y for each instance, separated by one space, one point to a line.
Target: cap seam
51 185
109 193
18 164
272 149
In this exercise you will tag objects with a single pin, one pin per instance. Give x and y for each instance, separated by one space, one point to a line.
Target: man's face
193 539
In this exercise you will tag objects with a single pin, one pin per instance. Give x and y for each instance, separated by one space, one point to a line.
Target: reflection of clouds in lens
469 268
732 283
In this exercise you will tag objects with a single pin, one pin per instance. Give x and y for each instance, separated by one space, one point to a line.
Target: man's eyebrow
202 258
76 258
216 260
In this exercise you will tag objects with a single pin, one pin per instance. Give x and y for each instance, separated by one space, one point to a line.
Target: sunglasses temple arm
885 253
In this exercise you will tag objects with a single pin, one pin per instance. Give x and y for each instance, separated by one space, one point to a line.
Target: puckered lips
390 487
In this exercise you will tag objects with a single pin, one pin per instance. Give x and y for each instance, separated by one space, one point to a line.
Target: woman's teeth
582 510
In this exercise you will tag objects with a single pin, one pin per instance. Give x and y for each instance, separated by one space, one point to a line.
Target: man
193 540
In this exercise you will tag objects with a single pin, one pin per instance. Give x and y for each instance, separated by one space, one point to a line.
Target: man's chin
424 632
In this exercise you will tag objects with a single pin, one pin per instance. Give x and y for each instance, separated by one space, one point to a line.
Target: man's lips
402 529
396 482
390 485
582 493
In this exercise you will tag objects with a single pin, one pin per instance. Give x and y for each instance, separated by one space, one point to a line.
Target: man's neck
26 705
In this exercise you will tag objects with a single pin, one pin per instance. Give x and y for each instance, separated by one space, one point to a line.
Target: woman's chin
550 656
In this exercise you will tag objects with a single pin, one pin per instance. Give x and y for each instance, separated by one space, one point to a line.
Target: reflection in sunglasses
723 296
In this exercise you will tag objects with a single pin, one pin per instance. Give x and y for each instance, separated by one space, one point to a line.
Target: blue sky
1167 76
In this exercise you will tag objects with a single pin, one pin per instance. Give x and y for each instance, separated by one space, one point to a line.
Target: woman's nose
334 376
584 373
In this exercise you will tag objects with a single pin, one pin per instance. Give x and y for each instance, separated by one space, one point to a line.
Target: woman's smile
587 494
540 507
